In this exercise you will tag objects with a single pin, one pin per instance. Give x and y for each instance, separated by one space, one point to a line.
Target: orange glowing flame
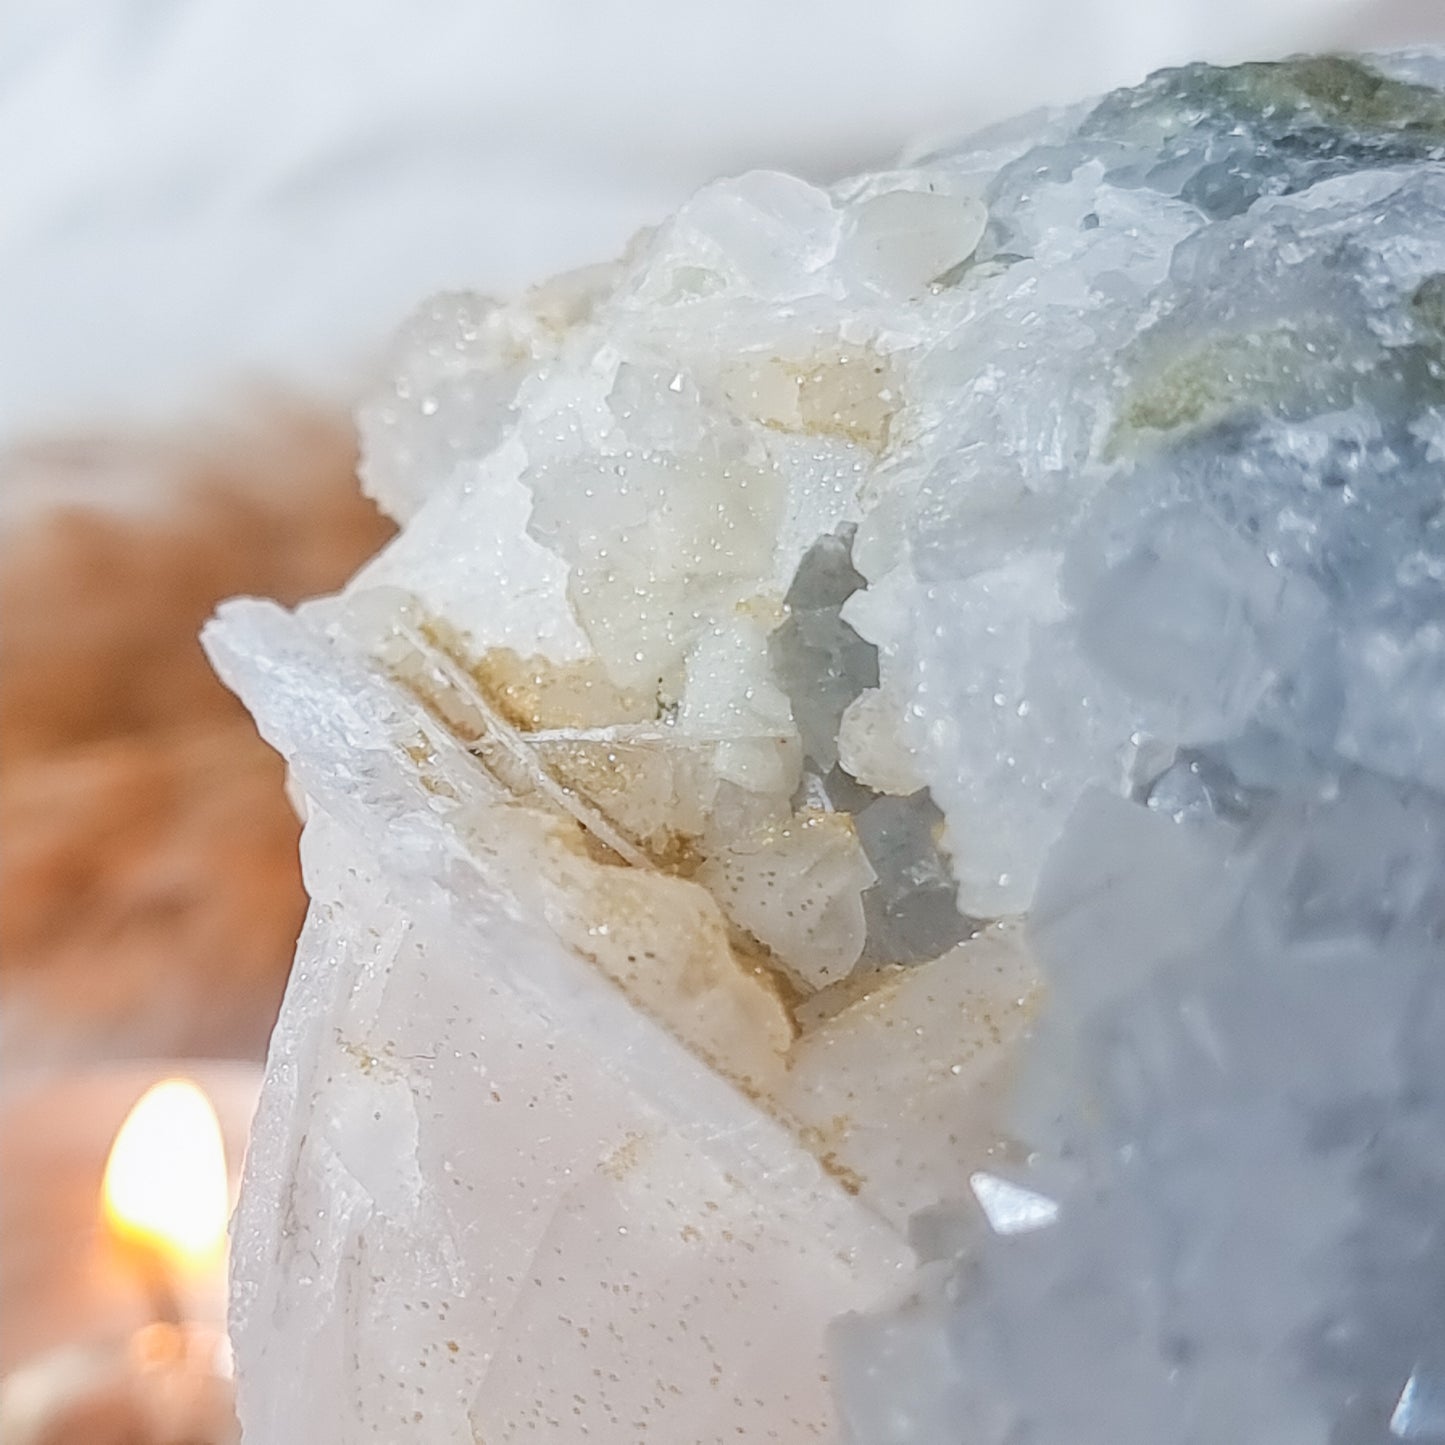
165 1182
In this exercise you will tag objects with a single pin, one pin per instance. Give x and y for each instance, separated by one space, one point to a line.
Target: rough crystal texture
1052 527
1211 587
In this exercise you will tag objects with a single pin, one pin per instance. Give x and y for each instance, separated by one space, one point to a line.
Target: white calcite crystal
875 841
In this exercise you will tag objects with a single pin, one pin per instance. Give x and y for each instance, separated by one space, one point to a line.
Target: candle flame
165 1182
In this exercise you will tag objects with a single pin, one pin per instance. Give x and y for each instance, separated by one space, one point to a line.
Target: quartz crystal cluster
877 840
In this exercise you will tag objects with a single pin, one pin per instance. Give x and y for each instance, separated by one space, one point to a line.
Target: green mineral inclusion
1271 370
1341 90
1225 373
1320 105
1428 304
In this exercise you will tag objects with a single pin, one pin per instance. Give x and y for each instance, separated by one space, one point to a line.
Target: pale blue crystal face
1208 352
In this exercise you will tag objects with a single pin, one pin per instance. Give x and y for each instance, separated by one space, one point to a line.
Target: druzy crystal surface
877 841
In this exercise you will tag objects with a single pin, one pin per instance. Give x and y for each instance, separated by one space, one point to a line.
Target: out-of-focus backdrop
194 189
212 213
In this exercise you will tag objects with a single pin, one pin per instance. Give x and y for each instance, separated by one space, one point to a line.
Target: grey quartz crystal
819 660
823 665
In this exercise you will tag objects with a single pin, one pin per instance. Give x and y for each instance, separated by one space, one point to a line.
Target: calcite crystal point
876 842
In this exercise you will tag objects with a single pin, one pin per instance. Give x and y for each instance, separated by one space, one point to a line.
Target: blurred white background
198 191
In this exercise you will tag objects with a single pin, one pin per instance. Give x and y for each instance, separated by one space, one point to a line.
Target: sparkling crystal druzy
877 841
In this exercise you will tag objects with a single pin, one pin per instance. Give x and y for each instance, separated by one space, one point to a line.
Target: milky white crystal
584 1110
